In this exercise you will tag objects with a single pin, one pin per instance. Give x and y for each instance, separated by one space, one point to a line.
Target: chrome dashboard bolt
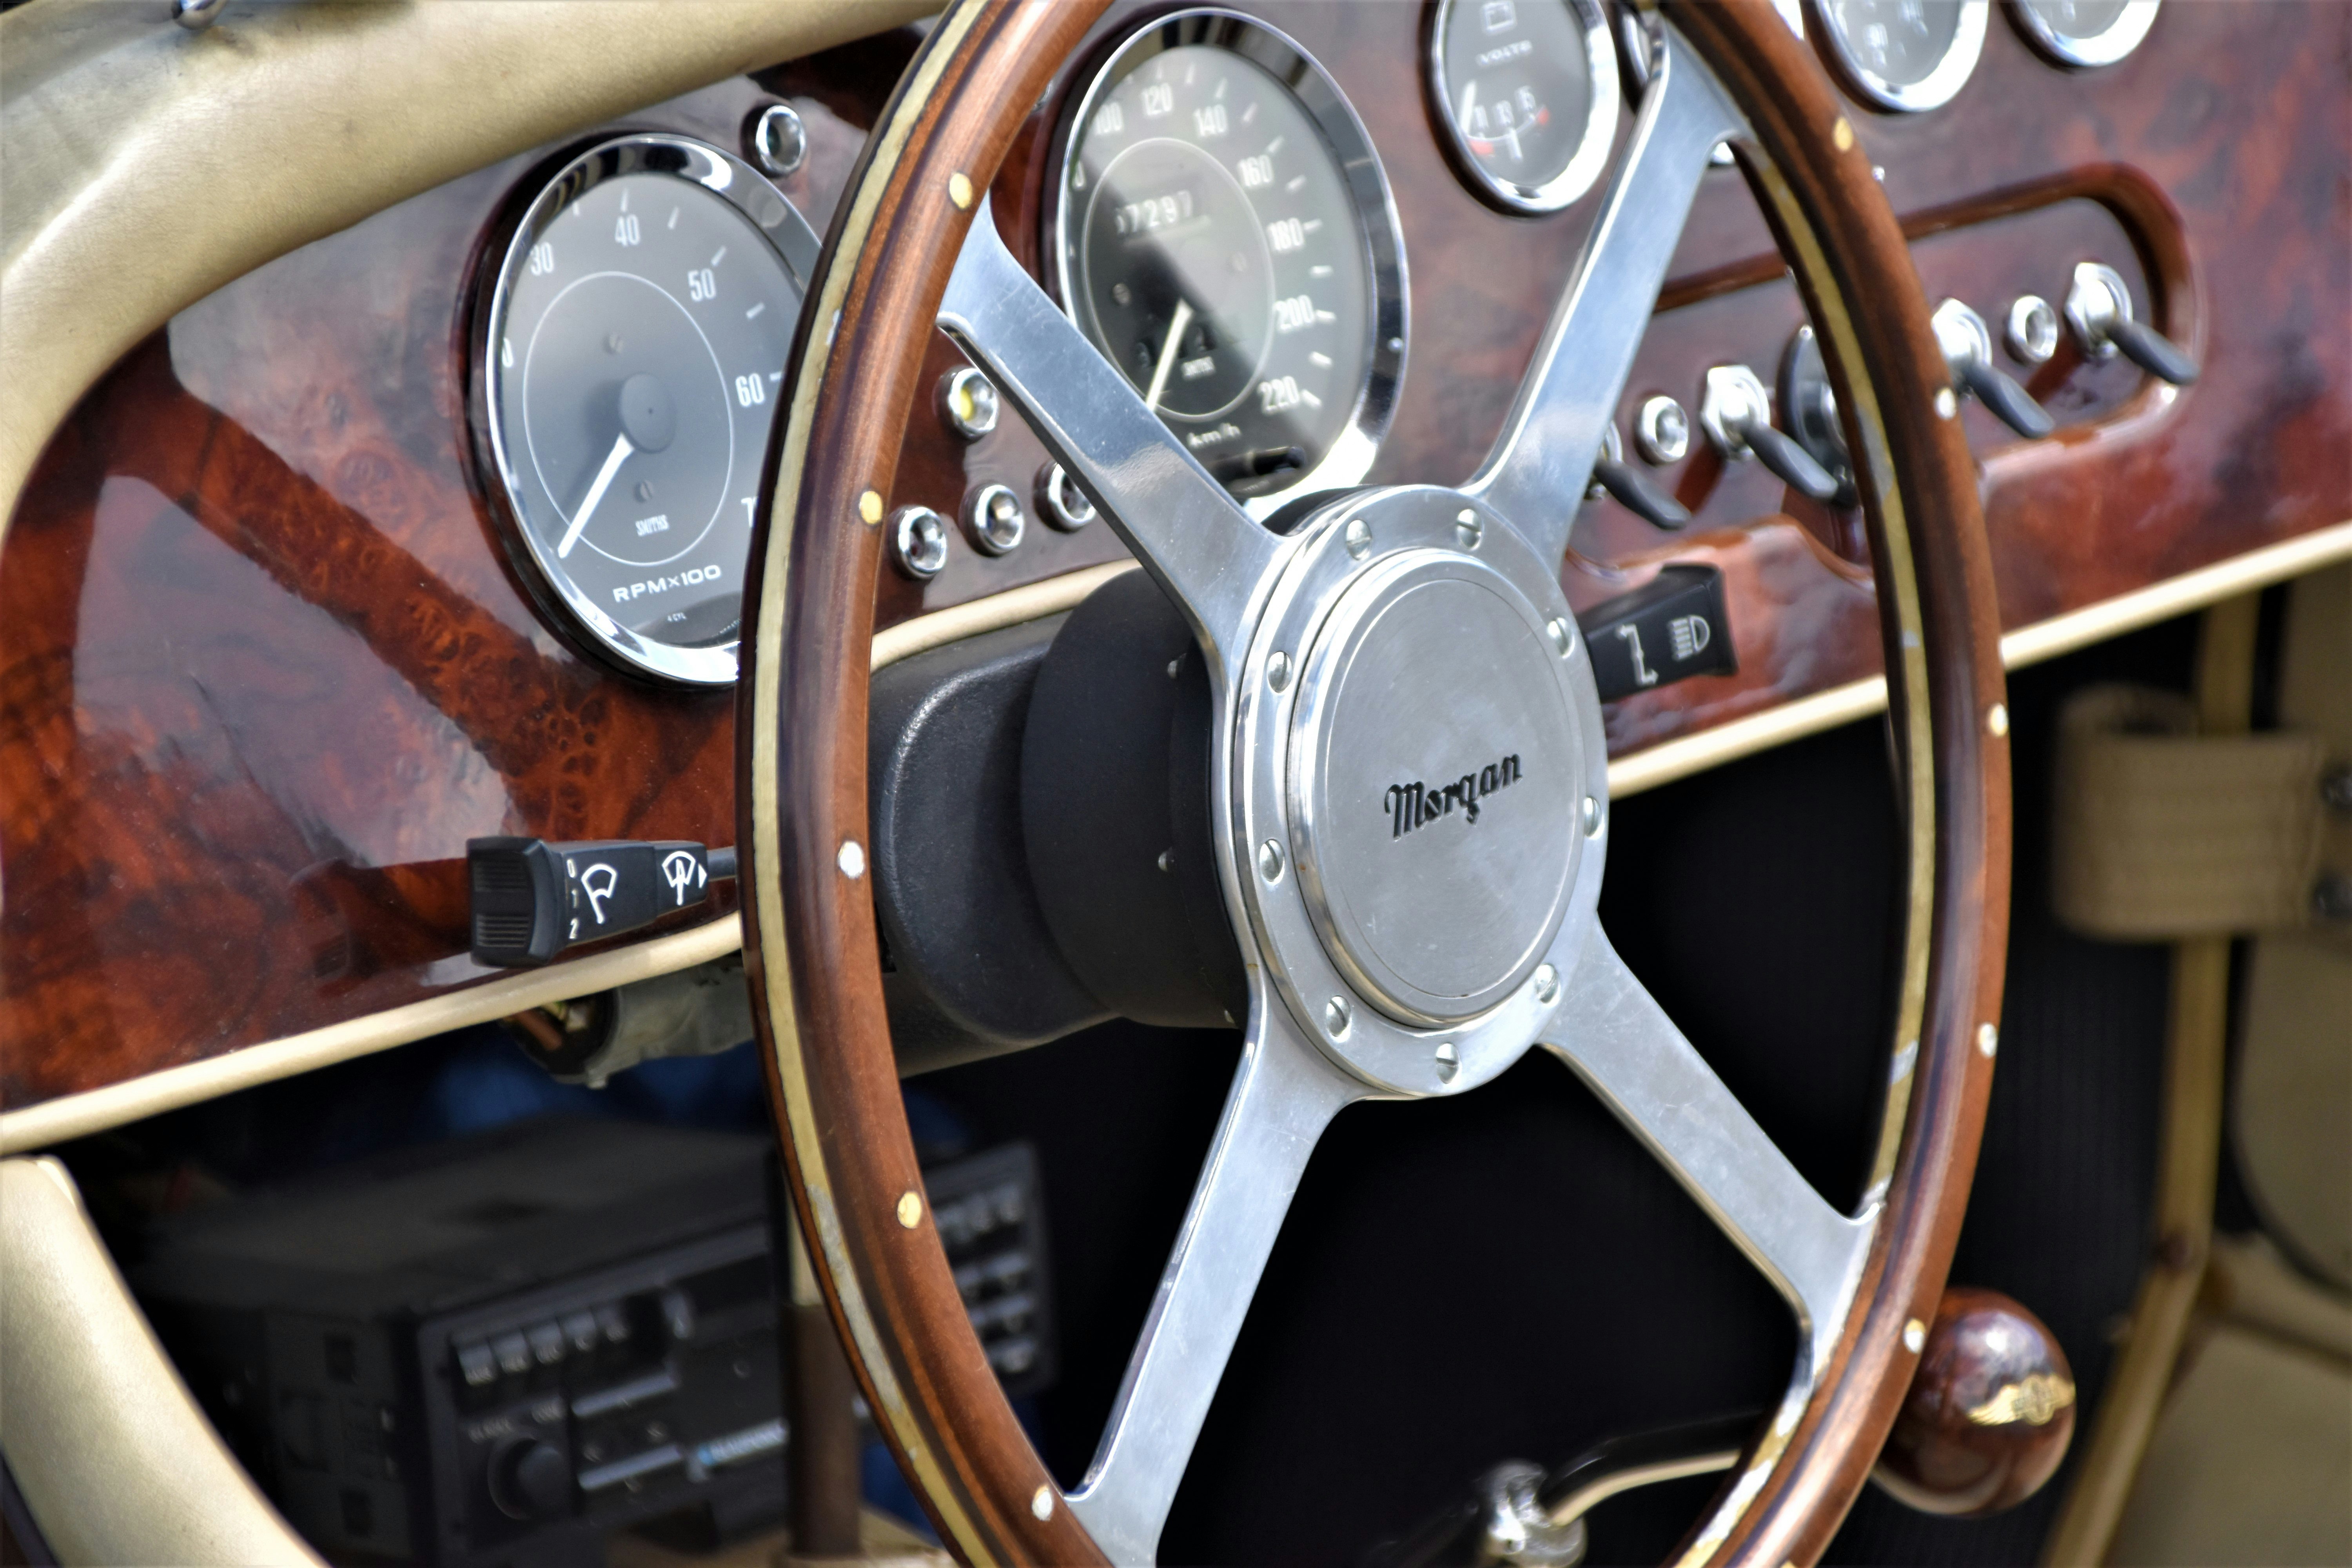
1449 1062
1062 505
779 140
2031 333
1337 1017
1591 817
1467 530
1547 984
197 14
1562 635
1662 431
918 543
967 404
993 519
1277 671
1357 537
1269 860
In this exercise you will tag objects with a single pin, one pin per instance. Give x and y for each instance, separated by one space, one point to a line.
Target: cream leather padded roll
106 1443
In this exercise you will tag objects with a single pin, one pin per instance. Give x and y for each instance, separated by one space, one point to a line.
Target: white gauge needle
613 461
1168 353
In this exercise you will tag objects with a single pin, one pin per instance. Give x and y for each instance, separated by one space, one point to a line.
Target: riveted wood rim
809 944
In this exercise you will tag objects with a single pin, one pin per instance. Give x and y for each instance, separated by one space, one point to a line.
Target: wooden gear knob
1989 1414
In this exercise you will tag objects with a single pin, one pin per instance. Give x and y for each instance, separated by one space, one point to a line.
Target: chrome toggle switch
1737 414
1809 410
2099 310
1966 345
1612 475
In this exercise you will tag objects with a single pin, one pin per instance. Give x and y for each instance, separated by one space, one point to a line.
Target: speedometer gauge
634 346
1226 238
1527 91
2083 31
1903 53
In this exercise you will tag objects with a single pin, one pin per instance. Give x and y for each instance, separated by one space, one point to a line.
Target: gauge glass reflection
1527 93
635 351
2083 31
1904 54
1219 247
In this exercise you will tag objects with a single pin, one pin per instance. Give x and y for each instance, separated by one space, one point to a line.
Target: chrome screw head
1337 1017
1547 984
1562 635
1064 505
1449 1062
1591 817
967 404
1277 671
1467 530
994 518
1357 537
918 543
2032 331
1269 860
779 140
1662 431
197 14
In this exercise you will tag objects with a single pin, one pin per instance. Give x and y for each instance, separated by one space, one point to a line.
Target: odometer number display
1226 238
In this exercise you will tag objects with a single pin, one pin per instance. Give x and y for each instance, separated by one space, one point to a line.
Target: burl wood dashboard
265 665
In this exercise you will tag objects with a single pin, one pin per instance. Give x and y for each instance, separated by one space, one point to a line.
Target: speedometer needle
1168 353
613 461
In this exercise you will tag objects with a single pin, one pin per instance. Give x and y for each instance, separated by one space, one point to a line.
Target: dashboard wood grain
264 666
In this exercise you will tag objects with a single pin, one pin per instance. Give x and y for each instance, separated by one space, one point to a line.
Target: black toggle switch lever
1737 414
531 898
1966 344
1632 487
2099 310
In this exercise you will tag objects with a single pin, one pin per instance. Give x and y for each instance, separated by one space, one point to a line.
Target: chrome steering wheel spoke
1284 1094
1621 1043
1211 557
1536 475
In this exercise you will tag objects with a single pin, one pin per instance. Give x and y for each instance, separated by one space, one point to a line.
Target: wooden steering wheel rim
809 940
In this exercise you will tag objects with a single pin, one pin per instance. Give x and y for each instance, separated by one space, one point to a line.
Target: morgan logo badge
1411 806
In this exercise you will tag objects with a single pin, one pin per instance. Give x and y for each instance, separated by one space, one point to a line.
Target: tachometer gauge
1527 91
2083 31
632 350
1903 53
1225 237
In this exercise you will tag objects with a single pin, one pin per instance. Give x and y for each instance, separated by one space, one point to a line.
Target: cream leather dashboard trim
112 1456
143 165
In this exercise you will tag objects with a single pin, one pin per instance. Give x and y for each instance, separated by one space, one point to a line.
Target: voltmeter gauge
1902 54
630 363
1527 93
1224 236
2083 31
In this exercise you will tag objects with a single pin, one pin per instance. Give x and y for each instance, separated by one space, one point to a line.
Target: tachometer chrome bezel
1357 442
1599 136
550 584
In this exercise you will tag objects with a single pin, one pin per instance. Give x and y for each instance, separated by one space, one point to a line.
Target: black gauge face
636 350
2084 32
1527 89
1226 240
1905 54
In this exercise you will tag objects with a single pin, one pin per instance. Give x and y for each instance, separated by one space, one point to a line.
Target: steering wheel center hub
1421 788
1435 786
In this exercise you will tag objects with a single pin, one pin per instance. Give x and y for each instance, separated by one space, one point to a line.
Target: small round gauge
2083 31
1527 91
1225 237
1903 53
633 352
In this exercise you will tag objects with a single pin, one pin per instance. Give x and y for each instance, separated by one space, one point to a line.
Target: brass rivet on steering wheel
1296 762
